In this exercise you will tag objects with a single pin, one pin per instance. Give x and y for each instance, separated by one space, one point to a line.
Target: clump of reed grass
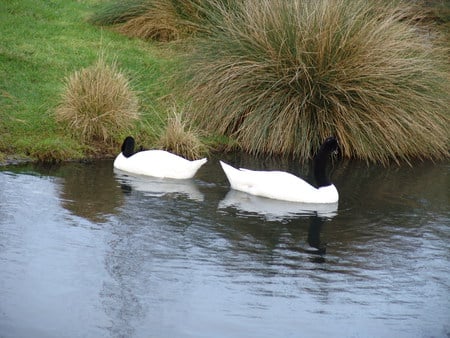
181 138
280 76
161 20
117 12
98 103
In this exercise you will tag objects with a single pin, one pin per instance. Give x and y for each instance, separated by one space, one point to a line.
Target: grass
117 12
181 138
261 78
161 20
148 20
98 104
280 76
41 44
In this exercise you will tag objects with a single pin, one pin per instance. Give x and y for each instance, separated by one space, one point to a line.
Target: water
86 252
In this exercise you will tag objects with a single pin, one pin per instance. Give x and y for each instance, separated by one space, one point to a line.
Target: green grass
42 43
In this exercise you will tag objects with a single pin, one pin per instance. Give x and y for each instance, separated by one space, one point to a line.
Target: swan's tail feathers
228 169
231 173
198 163
201 161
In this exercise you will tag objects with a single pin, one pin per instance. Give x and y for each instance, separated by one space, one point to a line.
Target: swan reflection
276 210
154 186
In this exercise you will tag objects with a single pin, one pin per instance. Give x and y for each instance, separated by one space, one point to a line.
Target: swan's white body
278 185
158 163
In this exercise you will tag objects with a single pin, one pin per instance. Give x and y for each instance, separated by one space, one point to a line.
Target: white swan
156 163
285 186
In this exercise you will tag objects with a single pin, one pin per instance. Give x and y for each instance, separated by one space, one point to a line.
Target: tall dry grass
279 76
98 103
161 20
181 138
117 12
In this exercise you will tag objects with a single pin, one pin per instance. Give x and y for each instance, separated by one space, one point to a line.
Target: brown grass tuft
159 22
98 103
180 138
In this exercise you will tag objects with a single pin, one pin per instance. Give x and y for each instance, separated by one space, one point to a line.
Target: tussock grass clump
98 103
280 76
182 139
161 20
118 12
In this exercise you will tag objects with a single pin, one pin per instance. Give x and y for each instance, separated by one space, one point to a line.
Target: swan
156 163
285 186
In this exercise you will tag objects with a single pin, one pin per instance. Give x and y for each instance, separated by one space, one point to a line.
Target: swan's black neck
128 146
320 162
320 170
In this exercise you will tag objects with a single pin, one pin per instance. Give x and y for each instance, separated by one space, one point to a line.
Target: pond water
87 252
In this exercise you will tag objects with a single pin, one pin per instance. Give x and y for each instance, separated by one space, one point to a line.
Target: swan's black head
128 146
329 146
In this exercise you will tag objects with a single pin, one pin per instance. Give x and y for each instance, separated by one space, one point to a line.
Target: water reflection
314 239
119 295
275 210
394 188
158 187
90 190
286 213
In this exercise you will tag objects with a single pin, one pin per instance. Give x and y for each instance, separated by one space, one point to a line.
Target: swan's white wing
159 163
280 185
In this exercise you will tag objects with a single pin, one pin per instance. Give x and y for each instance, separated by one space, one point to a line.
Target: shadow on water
228 263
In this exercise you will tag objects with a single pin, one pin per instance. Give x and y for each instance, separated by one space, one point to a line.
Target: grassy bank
278 76
270 77
42 43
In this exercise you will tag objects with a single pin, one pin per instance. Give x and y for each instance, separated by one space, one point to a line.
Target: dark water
85 252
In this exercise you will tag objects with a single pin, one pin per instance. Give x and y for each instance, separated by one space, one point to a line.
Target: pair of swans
270 184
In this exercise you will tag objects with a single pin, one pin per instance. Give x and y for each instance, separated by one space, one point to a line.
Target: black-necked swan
285 186
156 163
